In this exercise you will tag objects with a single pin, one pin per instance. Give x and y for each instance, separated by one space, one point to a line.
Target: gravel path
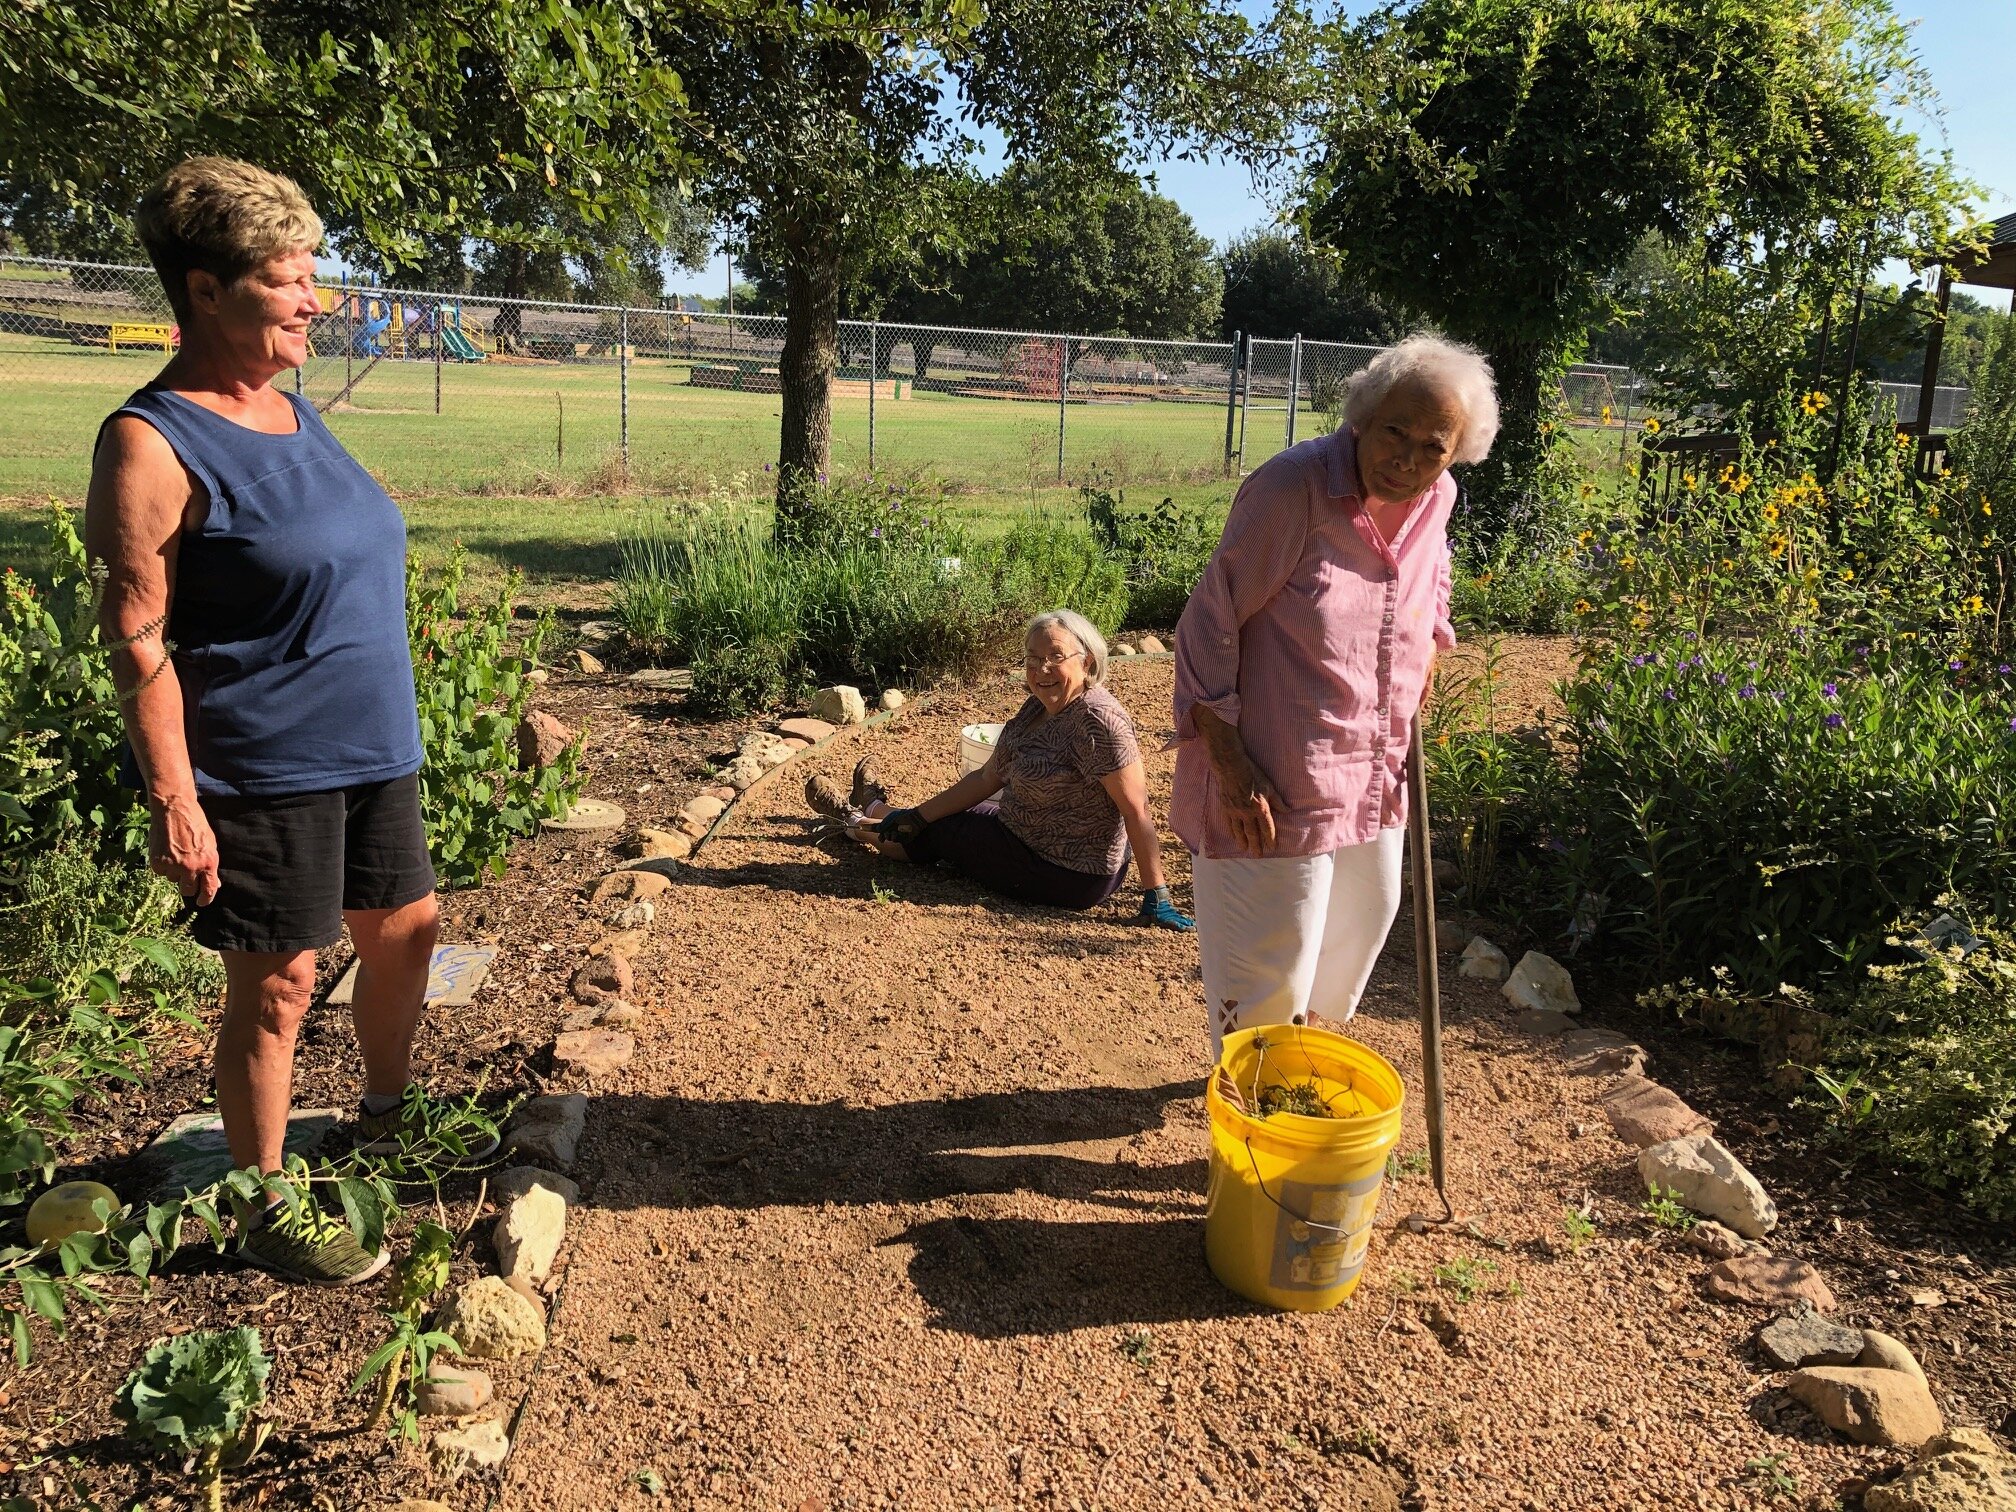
900 1205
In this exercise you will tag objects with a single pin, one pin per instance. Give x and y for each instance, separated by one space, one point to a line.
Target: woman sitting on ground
1073 794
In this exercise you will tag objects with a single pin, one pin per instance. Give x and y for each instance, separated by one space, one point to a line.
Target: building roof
1996 268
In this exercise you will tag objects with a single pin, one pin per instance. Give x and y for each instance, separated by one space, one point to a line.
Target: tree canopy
1278 284
1492 163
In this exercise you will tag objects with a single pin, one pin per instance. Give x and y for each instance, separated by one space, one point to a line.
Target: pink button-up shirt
1314 636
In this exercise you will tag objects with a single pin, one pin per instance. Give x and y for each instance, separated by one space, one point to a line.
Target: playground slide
460 347
366 337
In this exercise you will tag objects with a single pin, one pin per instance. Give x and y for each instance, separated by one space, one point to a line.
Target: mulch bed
899 1205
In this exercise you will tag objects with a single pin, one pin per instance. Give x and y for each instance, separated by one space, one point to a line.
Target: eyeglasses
1049 663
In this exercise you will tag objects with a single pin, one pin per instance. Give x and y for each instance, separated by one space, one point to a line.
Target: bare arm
1248 795
1128 788
140 495
974 787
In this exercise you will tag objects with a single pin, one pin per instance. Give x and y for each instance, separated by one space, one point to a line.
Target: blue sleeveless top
288 618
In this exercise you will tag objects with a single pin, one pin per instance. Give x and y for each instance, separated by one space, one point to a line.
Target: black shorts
290 865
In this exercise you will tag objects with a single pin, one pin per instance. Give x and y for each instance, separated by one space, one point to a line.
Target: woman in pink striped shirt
1301 661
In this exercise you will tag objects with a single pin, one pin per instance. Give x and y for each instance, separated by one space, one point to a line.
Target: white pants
1284 935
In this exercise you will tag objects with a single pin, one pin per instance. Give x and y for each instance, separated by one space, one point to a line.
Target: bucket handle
1260 1181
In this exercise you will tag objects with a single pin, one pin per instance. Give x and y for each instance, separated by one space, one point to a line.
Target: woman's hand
181 847
1247 795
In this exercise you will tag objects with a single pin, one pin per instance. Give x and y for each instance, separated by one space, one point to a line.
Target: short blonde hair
1448 367
1080 629
225 217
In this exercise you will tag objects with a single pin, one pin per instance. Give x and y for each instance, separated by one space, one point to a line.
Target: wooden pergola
1994 268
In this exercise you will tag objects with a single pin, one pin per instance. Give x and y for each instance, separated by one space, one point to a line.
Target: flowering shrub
1770 804
1164 551
471 672
1932 1044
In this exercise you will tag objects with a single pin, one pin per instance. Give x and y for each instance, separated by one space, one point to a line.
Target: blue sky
1968 46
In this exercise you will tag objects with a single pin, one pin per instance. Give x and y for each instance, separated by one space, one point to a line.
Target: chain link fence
473 394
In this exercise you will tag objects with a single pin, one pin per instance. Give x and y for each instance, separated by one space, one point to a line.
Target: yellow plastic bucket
1292 1195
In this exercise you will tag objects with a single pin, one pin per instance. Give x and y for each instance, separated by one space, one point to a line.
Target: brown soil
901 1205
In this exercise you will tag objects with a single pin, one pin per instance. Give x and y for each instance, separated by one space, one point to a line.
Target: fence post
1294 384
1063 397
1245 403
623 390
349 339
440 334
1232 396
873 330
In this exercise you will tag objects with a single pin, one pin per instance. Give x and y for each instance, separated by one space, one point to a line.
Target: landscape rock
619 1015
625 943
1802 1337
479 1446
587 663
793 744
725 794
1644 1114
744 772
1881 1352
627 886
703 810
1960 1471
1451 935
1125 648
892 700
1768 1281
594 1052
602 977
1715 1241
1582 1041
1151 645
451 1391
839 705
1710 1181
1543 1021
595 632
493 1322
1483 961
661 844
518 1180
423 1506
1883 1407
638 915
811 731
548 1129
528 1235
524 1287
1541 982
581 1018
663 679
1447 874
542 740
1612 1060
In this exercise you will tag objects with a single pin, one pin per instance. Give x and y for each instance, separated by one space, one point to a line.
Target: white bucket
976 744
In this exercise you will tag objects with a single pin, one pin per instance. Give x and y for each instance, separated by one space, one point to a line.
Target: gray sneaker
313 1250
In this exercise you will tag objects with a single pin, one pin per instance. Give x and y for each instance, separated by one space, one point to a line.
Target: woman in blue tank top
256 587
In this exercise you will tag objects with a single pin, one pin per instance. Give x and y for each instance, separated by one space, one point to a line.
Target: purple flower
1777 695
876 533
1688 635
1833 721
1748 690
822 477
1861 650
1668 694
766 467
895 504
2003 669
2012 724
1953 666
1639 661
1829 690
1721 679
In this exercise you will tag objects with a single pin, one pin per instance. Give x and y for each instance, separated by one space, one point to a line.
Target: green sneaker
421 1121
317 1251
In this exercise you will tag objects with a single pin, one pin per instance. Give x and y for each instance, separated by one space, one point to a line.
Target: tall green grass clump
861 584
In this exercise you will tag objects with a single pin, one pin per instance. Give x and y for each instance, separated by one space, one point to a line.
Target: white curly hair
1448 367
1080 629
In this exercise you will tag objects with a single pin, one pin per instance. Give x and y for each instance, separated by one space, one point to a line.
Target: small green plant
1367 1440
193 1397
883 894
1852 1102
1769 1471
1665 1210
649 1481
1406 1282
1465 1277
407 1354
1399 1166
1139 1348
1580 1226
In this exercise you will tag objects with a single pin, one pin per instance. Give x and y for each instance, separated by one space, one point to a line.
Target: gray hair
1448 367
1080 629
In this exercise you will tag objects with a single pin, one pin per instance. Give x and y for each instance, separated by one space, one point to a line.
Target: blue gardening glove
1157 909
901 825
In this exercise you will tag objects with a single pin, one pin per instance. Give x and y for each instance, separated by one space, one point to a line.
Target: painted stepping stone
587 814
453 976
190 1153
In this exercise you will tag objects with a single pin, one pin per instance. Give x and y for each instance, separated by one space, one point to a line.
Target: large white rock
840 705
1539 981
1484 961
528 1235
1709 1180
548 1129
491 1321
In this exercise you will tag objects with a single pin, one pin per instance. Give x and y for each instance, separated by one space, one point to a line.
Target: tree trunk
805 369
1509 486
510 327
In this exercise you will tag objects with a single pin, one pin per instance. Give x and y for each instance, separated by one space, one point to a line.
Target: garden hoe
1421 859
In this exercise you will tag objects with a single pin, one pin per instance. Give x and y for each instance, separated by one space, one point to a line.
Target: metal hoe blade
1430 985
